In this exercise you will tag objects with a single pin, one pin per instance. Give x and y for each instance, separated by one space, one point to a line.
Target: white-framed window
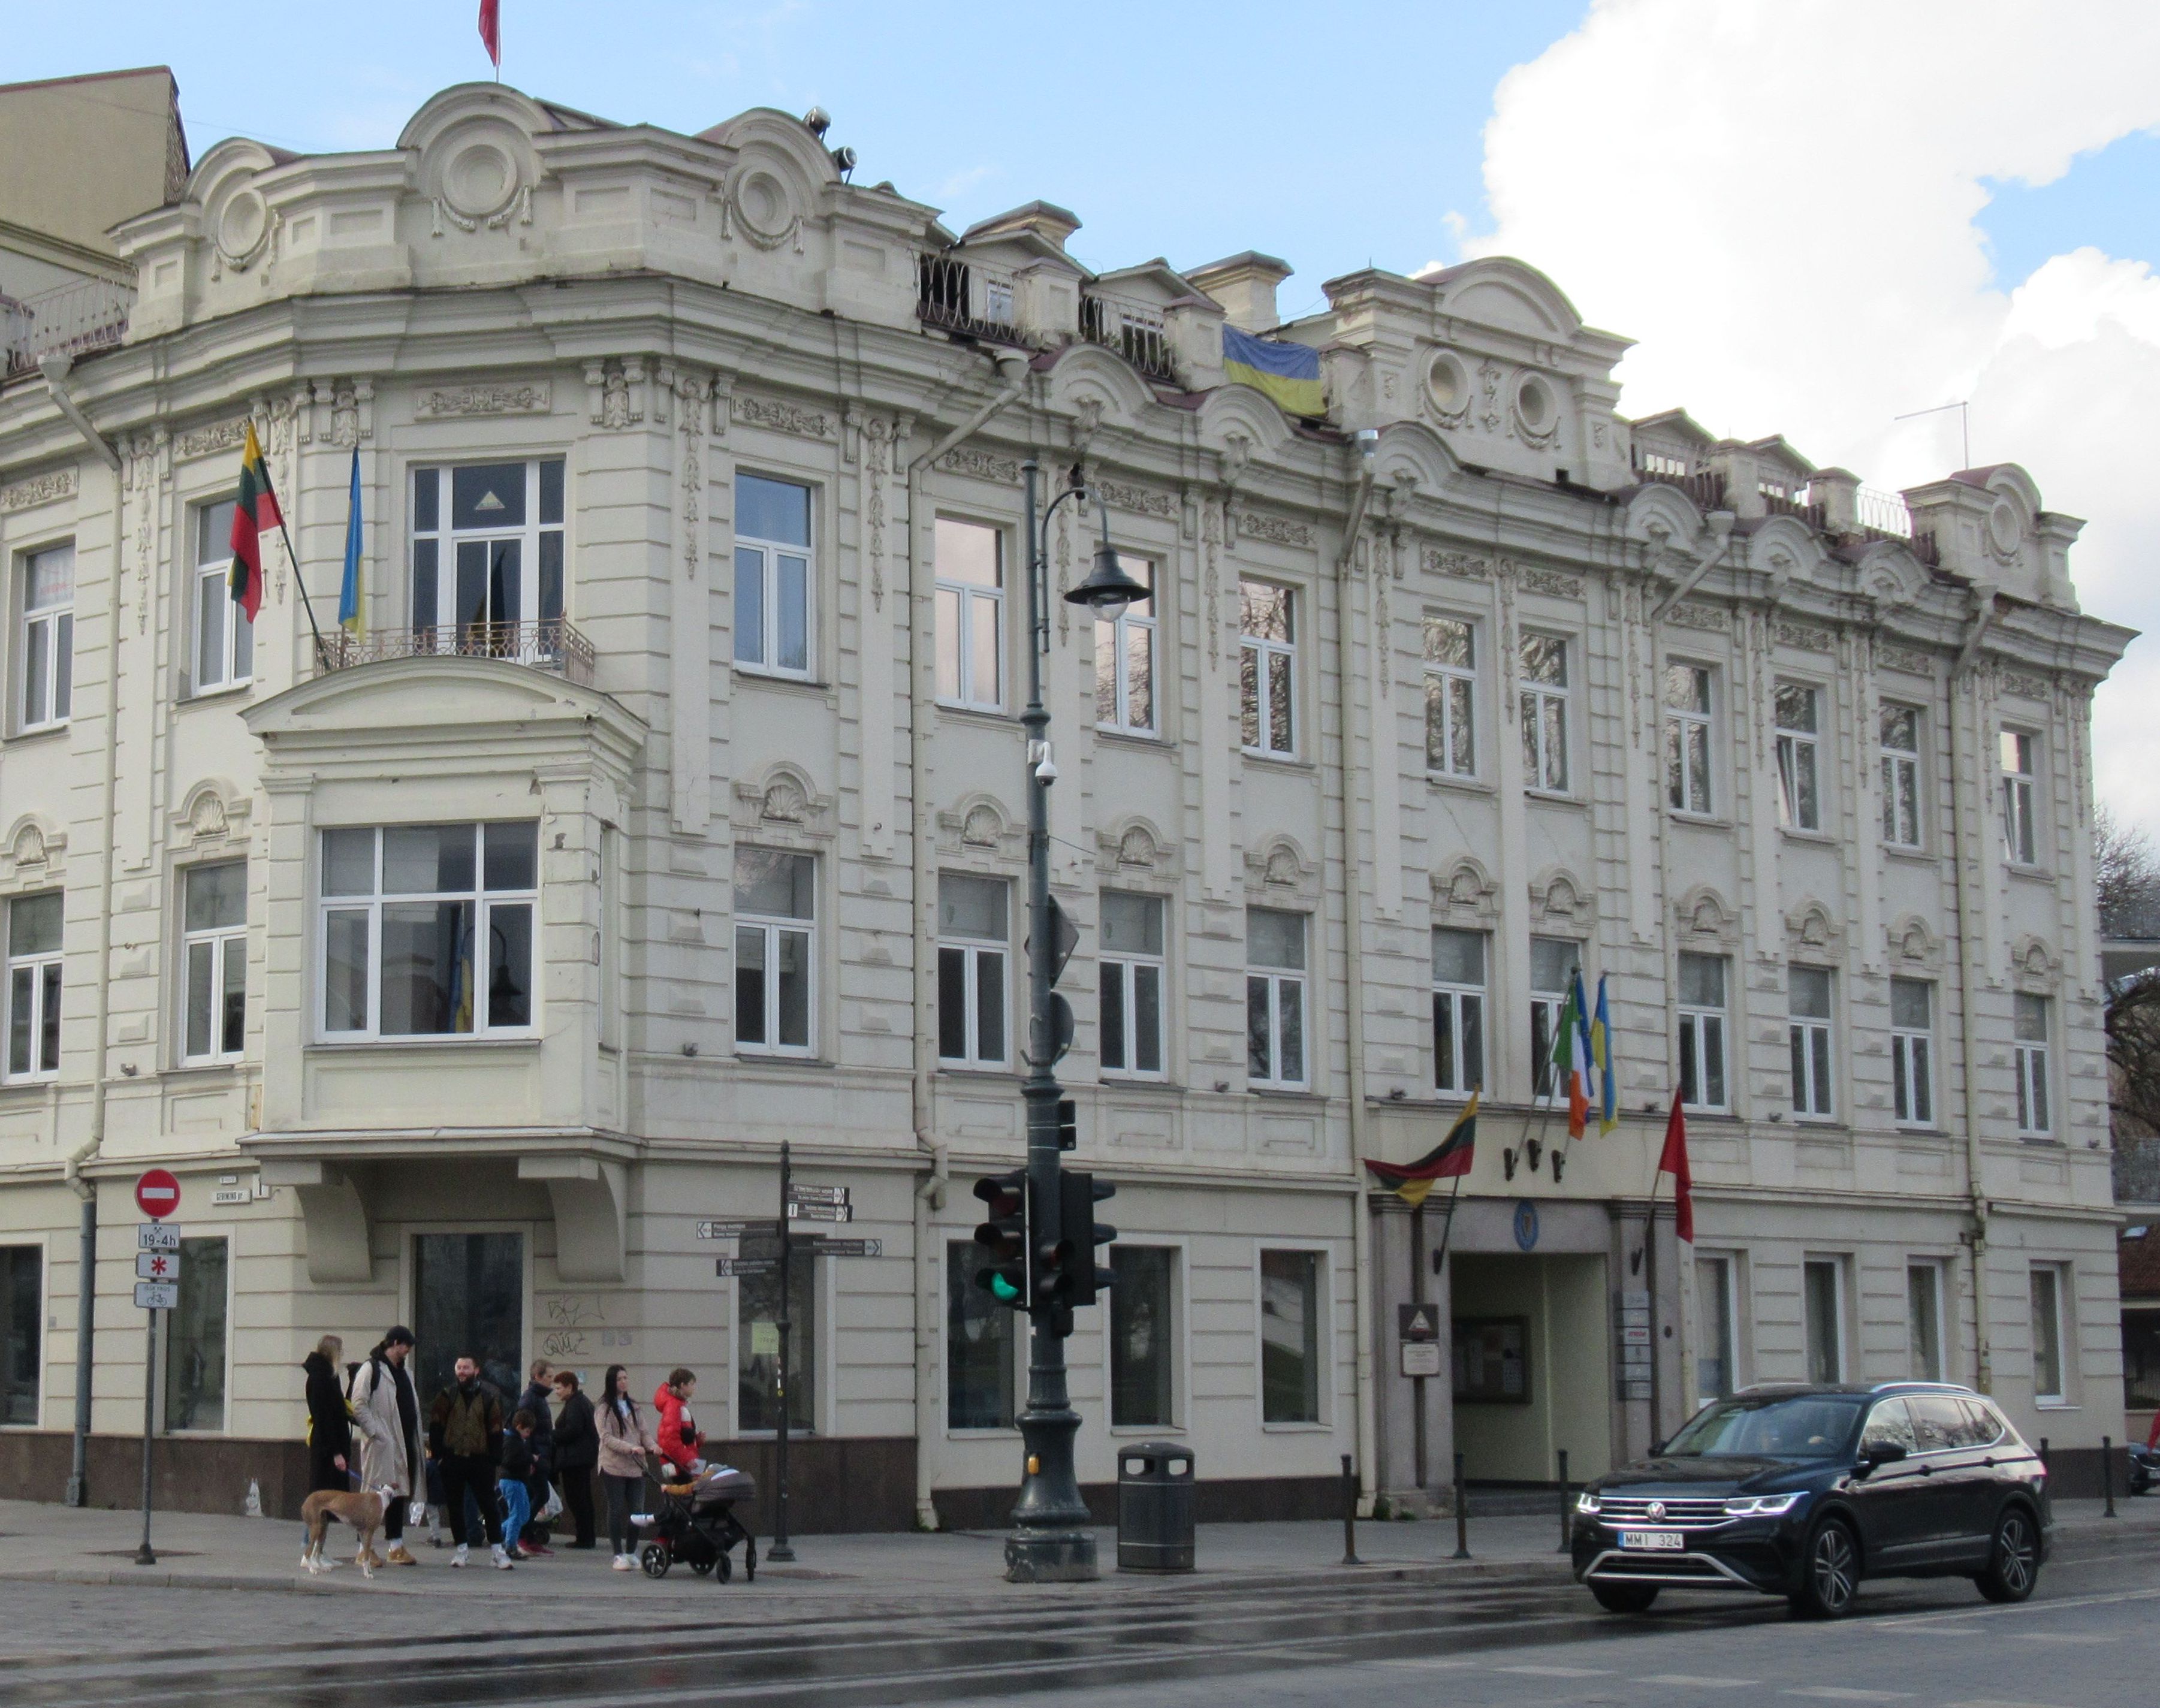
1822 1306
1800 730
2050 1288
1294 1337
196 1339
33 985
45 642
21 1333
1143 1337
2030 1058
970 616
980 1346
1545 696
224 639
1808 1026
1924 1338
487 555
1458 1011
775 959
1553 964
774 589
2020 760
1267 660
1702 1032
974 943
1901 775
1125 660
1450 697
1132 973
1687 739
1275 998
1913 1051
1716 1304
427 931
214 962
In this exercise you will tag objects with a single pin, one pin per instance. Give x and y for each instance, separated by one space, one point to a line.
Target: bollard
1462 1513
2107 1476
1349 1515
1565 1517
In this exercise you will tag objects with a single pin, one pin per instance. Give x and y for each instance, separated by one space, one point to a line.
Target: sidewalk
45 1544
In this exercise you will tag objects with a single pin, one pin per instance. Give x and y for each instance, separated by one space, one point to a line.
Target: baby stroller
694 1522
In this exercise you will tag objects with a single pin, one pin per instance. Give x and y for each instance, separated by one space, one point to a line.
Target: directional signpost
158 1288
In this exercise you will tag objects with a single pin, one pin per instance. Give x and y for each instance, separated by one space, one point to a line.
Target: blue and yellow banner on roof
1289 373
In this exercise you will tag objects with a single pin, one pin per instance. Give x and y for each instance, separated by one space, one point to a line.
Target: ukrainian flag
1600 1053
1289 373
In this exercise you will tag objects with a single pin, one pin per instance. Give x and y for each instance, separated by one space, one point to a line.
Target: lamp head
1108 590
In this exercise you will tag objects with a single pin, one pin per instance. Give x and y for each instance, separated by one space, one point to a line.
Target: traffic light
1001 1240
1078 1277
1068 1123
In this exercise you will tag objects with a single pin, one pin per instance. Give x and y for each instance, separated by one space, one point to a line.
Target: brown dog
362 1510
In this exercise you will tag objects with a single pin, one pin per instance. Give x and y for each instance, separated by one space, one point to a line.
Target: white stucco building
669 809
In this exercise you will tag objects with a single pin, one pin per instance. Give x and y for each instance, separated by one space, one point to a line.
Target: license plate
1669 1541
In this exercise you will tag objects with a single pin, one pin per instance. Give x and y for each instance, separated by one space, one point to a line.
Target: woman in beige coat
626 1438
387 1414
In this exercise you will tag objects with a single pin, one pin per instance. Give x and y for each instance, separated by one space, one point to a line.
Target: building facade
668 808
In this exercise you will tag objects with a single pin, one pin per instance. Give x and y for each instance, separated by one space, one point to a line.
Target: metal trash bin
1154 1508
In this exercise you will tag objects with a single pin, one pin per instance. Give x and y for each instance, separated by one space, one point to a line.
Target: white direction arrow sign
157 1236
157 1266
158 1296
821 1212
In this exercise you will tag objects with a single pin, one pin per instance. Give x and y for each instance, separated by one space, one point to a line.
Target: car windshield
1789 1426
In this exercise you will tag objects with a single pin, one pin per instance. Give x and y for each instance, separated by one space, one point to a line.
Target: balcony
1133 329
1705 486
551 645
947 297
70 319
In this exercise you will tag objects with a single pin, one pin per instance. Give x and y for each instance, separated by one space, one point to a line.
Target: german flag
1449 1158
254 508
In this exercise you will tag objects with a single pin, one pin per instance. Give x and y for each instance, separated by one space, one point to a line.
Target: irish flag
254 509
1572 1059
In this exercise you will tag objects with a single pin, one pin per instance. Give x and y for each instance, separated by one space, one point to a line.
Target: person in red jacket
681 1441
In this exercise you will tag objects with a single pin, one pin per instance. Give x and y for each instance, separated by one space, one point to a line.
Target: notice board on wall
1491 1360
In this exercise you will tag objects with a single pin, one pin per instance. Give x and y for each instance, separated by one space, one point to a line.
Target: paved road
2090 1640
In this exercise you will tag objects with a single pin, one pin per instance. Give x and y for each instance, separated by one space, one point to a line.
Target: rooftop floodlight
817 122
1108 590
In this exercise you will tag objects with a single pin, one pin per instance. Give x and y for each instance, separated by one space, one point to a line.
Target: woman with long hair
625 1439
331 1458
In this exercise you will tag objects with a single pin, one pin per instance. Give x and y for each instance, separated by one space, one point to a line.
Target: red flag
491 30
1675 1163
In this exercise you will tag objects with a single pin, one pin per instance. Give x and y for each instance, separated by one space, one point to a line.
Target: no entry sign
158 1194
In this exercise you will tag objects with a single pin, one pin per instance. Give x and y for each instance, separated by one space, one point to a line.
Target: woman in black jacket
329 1424
577 1451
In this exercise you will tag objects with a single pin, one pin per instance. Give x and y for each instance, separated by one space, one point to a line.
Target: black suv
1801 1490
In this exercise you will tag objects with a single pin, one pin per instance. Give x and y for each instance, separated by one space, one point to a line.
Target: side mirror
1880 1454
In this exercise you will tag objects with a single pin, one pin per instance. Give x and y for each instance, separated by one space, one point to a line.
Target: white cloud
1778 201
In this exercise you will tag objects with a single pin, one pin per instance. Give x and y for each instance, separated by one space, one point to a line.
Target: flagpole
1417 1297
300 581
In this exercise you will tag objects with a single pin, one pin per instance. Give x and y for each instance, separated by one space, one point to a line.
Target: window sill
1556 797
2058 1404
1285 1093
745 1056
780 679
1289 761
224 1065
42 732
1144 1430
2044 1140
1905 1129
1466 784
1297 1429
984 714
1900 851
1816 838
348 1047
1115 1079
1707 820
1148 741
223 691
997 1434
979 1070
42 1082
2038 874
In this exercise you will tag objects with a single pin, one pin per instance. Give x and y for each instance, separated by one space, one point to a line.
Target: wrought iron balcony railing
552 643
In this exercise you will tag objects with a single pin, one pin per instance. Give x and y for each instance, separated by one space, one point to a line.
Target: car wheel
1624 1597
1830 1573
2013 1561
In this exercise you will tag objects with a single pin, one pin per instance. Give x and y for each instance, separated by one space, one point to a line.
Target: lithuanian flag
1448 1160
254 508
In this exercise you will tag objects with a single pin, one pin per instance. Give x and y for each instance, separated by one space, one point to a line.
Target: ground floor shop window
22 1318
194 1340
1823 1302
1289 1337
1142 1347
467 1302
979 1347
757 1349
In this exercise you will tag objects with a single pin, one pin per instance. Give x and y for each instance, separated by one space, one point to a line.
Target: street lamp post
1051 1542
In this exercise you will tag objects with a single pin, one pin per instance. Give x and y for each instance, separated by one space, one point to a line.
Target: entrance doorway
469 1300
1532 1375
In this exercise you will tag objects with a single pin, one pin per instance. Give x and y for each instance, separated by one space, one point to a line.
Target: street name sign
155 1236
821 1212
819 1246
157 1266
726 1266
158 1296
158 1193
735 1229
798 1193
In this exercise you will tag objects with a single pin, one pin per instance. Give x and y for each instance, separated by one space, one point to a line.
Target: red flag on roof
1675 1163
491 30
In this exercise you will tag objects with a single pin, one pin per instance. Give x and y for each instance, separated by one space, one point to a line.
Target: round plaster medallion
2002 528
1447 384
243 227
1533 405
763 204
480 179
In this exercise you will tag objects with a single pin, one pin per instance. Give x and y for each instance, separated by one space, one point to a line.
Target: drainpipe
1719 524
1968 748
55 369
923 693
1353 971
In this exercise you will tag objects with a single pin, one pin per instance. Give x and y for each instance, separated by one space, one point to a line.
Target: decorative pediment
1561 899
1812 933
2033 966
1133 846
1278 868
1704 919
783 803
214 811
978 827
1914 944
34 850
1464 893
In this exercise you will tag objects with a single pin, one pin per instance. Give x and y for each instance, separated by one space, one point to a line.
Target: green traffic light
1003 1289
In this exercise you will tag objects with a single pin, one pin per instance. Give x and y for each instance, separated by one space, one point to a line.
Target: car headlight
1586 1501
1762 1506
